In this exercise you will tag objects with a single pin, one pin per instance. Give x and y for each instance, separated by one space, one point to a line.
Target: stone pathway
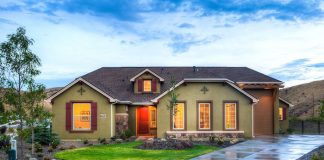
268 148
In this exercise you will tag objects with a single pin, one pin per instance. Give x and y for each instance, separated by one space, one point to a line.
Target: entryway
146 121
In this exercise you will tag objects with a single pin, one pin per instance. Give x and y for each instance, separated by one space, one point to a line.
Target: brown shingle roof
115 81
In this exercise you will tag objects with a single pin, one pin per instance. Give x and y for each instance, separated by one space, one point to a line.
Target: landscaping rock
119 140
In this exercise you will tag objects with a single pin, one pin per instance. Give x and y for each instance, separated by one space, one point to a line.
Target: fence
307 127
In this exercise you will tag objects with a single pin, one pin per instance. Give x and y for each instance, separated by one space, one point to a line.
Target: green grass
127 151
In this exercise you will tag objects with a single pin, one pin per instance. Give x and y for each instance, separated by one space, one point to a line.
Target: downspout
253 120
111 117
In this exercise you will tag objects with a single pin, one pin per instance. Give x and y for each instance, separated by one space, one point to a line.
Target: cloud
272 37
186 25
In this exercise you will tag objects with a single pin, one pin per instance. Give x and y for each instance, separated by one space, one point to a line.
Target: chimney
195 69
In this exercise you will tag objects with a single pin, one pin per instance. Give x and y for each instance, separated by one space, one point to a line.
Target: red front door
142 120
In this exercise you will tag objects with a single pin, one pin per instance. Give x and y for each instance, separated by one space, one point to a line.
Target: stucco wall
132 119
217 93
103 107
284 124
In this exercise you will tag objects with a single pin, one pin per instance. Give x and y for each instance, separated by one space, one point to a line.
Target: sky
280 38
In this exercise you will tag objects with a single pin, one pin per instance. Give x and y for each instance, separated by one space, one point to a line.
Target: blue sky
281 38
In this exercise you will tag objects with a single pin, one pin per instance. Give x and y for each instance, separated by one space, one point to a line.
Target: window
81 116
204 115
282 113
147 85
153 117
230 115
179 116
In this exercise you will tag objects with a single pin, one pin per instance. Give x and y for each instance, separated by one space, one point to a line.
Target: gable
146 71
82 83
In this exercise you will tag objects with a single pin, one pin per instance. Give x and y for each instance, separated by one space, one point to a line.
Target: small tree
173 97
33 101
18 68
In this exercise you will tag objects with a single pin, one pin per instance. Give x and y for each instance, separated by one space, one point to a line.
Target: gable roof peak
144 71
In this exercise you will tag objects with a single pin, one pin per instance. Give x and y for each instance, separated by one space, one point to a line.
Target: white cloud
77 44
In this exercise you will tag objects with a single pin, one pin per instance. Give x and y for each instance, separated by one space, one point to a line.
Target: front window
147 86
81 116
179 116
204 115
281 114
230 115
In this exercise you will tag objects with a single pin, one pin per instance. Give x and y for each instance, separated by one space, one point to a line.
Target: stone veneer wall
121 120
202 135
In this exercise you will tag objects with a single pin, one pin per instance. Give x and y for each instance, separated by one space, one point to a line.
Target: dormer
147 82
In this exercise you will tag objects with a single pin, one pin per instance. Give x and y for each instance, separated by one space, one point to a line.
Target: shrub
47 158
220 140
38 148
103 140
3 130
85 141
72 147
113 138
290 130
62 148
40 155
317 157
44 136
212 139
128 133
11 130
50 149
55 143
4 143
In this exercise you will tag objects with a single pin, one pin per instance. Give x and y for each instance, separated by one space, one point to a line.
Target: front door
142 120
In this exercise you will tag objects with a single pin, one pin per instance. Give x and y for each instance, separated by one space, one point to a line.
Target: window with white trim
230 115
204 115
81 116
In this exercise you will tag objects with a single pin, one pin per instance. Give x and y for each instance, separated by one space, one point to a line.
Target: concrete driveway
279 147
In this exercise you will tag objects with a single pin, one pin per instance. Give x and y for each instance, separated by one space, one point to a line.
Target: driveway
279 147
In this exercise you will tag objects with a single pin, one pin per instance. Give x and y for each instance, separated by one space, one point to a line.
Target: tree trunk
21 140
32 140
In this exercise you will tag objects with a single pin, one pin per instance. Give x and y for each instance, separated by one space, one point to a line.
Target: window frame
210 102
72 117
143 88
236 115
184 118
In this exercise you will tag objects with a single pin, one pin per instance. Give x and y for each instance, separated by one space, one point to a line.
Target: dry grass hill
305 98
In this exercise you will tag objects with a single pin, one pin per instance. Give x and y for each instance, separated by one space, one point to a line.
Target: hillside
305 98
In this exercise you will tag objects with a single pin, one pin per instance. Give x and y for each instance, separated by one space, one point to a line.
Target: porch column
121 120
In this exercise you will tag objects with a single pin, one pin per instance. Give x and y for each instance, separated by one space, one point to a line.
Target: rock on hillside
305 98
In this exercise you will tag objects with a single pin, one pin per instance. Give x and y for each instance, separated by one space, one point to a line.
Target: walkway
272 148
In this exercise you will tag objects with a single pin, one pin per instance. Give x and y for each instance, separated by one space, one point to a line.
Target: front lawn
128 151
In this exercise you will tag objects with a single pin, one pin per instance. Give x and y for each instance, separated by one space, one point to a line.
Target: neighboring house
212 100
284 114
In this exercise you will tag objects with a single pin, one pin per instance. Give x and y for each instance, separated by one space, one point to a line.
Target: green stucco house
234 101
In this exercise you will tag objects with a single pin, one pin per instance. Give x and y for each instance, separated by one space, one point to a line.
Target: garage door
263 112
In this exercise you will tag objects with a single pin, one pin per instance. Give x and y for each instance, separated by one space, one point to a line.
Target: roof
115 81
286 102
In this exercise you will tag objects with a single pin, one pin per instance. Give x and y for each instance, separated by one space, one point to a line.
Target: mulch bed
46 154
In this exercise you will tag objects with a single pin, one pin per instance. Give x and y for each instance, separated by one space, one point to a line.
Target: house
283 115
211 100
